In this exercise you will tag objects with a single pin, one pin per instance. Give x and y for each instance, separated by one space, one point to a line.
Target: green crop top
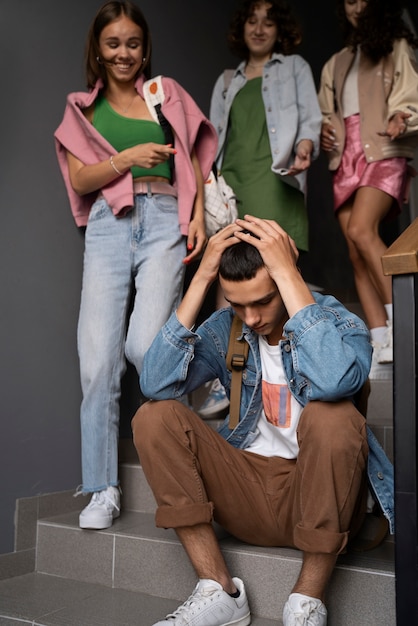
125 132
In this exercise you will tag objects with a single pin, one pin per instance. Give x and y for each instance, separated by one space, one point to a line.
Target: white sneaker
379 371
301 610
210 605
104 507
216 400
385 350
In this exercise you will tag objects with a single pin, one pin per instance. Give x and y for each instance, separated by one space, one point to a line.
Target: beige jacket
384 88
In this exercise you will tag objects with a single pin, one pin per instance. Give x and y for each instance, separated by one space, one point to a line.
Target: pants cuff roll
319 540
180 516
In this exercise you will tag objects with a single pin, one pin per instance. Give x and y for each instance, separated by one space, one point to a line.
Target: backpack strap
236 358
154 97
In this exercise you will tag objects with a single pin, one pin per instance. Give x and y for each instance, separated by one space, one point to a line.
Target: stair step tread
44 600
135 556
139 525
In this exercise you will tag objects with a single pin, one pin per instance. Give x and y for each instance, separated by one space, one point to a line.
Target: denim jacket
326 356
291 108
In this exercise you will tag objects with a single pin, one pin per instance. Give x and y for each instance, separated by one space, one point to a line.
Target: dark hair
379 26
288 30
106 14
240 262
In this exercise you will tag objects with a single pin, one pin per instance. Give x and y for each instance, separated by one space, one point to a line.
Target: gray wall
41 50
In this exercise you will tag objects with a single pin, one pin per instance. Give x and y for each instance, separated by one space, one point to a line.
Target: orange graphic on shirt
276 403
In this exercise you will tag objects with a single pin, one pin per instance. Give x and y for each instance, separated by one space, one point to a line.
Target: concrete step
42 600
134 573
135 556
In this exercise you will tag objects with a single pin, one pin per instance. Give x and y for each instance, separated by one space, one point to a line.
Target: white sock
389 311
378 334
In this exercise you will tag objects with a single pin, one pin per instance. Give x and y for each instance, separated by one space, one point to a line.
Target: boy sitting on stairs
291 473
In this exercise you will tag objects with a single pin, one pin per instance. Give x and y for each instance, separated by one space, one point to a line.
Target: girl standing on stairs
369 101
141 201
268 122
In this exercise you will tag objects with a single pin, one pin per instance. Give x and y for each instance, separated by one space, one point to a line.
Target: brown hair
288 30
380 24
106 14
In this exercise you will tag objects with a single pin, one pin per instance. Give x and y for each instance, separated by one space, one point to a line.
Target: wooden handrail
402 256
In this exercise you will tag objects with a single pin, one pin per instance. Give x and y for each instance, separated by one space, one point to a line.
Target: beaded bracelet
112 163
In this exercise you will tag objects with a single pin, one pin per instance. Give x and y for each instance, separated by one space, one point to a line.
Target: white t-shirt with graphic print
280 416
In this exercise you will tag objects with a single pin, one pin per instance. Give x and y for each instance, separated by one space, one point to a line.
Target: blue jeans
136 258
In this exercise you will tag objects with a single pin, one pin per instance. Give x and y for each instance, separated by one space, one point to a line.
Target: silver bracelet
112 163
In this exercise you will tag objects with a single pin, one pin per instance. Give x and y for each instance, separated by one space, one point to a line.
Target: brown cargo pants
312 503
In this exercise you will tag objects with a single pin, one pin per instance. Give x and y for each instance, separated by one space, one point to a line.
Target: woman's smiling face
121 49
260 32
353 8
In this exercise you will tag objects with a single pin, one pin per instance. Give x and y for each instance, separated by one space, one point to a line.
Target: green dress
247 168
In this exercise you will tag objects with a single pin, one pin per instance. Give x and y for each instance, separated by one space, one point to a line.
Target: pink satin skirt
354 171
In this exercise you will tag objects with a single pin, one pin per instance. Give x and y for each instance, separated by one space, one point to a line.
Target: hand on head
219 242
277 249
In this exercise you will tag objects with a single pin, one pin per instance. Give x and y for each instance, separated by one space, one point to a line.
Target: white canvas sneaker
385 350
210 605
301 610
104 507
379 371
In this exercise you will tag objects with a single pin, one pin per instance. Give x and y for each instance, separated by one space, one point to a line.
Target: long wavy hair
289 33
106 14
379 26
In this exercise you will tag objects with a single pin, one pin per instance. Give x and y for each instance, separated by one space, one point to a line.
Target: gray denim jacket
326 355
291 108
